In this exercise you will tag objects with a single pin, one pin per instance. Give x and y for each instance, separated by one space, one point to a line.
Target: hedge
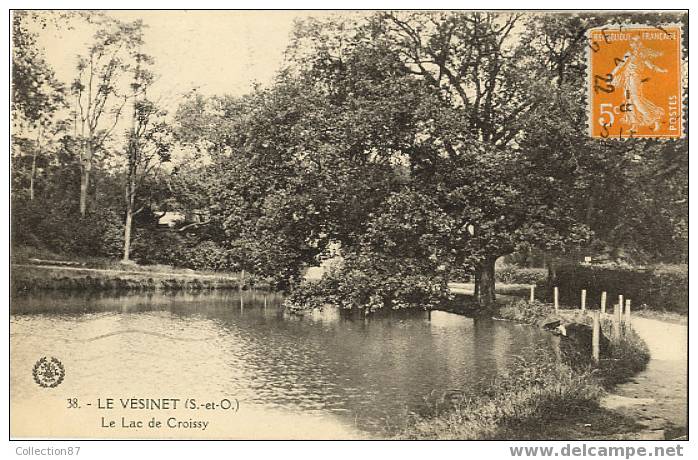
511 274
660 287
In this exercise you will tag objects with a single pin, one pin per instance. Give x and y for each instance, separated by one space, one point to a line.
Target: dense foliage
512 274
411 147
658 287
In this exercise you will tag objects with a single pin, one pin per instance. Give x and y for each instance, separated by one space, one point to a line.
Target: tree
149 145
96 86
468 90
486 92
254 188
299 167
36 94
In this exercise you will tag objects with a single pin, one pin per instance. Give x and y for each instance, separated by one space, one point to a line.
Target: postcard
349 225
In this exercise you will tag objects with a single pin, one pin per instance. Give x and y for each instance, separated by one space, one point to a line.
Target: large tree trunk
131 178
127 234
84 184
484 283
130 202
85 177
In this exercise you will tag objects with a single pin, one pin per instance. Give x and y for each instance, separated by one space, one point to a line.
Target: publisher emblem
48 372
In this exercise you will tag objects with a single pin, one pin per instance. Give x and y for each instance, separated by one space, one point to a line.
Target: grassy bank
26 278
627 355
516 405
540 397
34 269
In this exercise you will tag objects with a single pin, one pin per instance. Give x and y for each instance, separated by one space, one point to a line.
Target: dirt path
657 397
502 288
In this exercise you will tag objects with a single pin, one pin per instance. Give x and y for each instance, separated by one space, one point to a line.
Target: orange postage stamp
634 78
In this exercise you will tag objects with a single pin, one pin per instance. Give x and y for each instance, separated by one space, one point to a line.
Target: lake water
319 375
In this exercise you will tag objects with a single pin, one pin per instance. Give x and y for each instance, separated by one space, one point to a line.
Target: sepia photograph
347 224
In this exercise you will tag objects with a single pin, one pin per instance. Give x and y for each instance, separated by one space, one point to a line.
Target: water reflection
363 372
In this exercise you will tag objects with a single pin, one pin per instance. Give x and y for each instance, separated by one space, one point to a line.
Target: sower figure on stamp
629 75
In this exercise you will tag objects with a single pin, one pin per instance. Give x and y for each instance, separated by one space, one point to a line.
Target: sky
216 52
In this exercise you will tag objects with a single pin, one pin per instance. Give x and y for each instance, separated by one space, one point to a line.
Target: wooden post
596 329
556 295
627 312
533 292
584 299
603 302
265 301
620 302
616 320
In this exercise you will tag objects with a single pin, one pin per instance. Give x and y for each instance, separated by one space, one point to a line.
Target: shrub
511 274
206 255
365 283
536 390
57 227
309 295
523 311
662 287
401 261
629 355
154 246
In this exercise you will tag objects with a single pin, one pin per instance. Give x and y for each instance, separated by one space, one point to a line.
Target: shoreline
619 413
625 409
27 278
